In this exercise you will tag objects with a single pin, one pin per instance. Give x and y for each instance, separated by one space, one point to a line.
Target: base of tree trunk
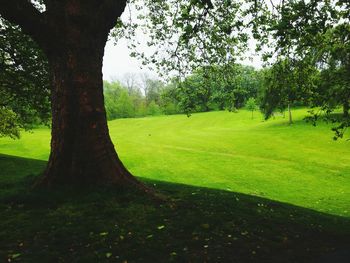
119 183
115 176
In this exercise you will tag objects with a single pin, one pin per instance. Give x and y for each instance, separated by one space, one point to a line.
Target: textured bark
74 36
81 149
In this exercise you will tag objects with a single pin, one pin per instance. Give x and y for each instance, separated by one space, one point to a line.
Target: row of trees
128 102
206 89
277 88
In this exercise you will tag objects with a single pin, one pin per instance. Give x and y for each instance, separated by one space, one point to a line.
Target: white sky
117 62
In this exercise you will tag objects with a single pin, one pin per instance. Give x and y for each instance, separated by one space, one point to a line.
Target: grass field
298 164
242 190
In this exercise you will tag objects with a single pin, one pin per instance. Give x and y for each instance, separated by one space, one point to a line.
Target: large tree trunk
81 149
82 152
73 33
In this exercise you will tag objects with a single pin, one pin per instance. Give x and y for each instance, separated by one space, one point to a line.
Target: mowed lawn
298 164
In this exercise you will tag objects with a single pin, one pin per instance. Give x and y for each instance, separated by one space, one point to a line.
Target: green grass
196 225
241 190
298 164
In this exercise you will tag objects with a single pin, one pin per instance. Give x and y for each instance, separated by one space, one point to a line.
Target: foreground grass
298 164
197 225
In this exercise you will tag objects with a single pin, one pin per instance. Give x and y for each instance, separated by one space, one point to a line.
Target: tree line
203 90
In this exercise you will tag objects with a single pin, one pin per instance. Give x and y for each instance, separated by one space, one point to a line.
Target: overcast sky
117 61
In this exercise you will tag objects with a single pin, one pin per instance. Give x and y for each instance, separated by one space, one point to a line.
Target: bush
9 123
153 108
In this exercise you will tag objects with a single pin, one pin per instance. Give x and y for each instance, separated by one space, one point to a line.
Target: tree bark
81 149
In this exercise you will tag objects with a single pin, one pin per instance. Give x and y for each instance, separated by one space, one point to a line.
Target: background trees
206 89
315 34
24 84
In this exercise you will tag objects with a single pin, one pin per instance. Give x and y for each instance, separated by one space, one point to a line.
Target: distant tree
120 103
219 88
8 123
112 92
24 81
153 90
196 90
138 102
130 81
124 106
251 105
169 99
284 84
142 79
153 108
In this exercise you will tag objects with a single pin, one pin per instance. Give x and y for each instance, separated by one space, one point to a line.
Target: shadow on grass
198 225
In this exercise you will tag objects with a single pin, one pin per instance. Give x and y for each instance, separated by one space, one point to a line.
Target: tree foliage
251 105
317 32
9 123
184 35
24 83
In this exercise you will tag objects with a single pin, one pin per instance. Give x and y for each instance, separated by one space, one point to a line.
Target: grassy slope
297 164
198 225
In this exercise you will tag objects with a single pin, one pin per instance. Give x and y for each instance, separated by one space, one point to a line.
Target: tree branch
109 12
27 17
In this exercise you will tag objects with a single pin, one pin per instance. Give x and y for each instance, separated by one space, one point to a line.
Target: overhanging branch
109 12
25 15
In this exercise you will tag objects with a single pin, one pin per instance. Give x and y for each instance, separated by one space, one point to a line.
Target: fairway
298 164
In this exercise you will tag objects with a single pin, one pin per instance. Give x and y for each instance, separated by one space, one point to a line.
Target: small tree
153 108
8 123
124 105
251 105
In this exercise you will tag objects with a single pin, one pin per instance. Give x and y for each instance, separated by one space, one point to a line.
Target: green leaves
251 105
9 123
188 34
24 82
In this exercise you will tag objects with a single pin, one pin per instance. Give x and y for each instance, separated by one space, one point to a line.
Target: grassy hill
298 164
241 190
